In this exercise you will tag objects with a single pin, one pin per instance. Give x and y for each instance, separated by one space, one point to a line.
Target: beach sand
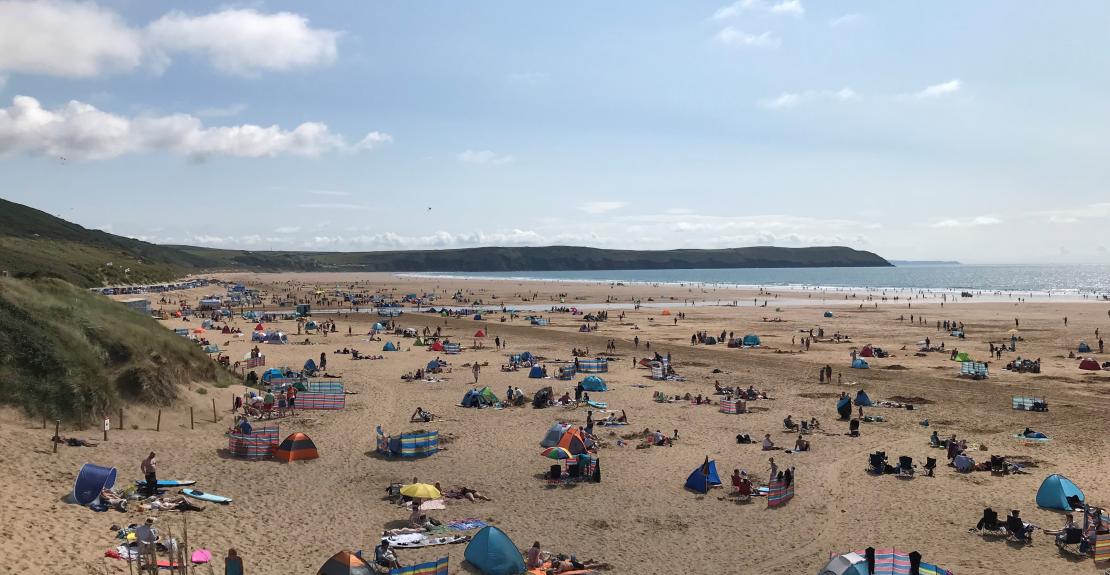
289 518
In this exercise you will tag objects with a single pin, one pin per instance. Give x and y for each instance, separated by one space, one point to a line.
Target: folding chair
1018 531
1070 539
930 465
905 466
998 465
877 463
990 525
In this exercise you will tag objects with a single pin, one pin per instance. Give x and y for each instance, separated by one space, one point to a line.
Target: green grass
68 354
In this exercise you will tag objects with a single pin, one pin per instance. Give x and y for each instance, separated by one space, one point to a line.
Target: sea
1081 282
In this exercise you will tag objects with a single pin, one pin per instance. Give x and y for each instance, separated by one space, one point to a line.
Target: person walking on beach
150 473
323 361
497 342
477 369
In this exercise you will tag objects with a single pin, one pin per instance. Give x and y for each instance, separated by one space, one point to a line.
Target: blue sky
940 130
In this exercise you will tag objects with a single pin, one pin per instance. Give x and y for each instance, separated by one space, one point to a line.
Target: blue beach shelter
863 399
594 383
389 346
844 407
1055 491
90 481
536 372
828 314
703 477
858 363
493 553
751 340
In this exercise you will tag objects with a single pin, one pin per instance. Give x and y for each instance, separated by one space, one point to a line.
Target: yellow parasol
421 491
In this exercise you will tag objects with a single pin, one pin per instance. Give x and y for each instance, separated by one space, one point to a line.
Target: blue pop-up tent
90 481
844 407
1055 491
536 372
703 477
859 363
863 399
751 340
594 383
493 553
389 346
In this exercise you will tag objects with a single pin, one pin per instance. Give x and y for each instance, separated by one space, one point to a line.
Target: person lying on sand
571 564
113 500
463 492
171 503
73 441
421 416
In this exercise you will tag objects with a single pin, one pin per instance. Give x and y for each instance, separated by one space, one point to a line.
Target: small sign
107 423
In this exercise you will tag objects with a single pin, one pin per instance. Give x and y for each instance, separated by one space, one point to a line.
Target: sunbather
769 445
801 444
113 500
421 415
788 423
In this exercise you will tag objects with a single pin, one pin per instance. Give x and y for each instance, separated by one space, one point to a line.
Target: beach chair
877 463
990 525
393 492
1018 531
1070 539
905 466
998 465
853 428
930 466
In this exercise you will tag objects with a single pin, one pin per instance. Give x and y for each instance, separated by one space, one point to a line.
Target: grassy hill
72 355
36 244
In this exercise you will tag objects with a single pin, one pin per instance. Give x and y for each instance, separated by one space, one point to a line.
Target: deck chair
930 466
393 491
877 463
1018 531
998 465
805 430
905 466
853 428
1070 539
556 473
990 525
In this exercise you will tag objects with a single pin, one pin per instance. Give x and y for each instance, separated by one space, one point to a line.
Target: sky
970 131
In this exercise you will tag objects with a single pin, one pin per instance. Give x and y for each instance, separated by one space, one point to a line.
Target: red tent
866 351
1090 364
479 333
437 346
259 327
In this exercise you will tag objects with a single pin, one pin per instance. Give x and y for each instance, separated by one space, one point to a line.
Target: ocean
1080 281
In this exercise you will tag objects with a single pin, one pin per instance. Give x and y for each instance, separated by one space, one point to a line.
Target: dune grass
68 354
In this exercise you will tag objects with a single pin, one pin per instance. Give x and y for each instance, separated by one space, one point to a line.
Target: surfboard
168 482
197 494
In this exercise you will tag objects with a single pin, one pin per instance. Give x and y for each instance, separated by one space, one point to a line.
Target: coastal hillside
35 244
548 258
72 355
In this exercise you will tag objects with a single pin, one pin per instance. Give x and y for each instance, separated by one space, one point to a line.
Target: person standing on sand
477 369
323 361
148 467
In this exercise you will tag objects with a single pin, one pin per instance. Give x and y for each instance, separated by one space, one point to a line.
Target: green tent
963 357
419 341
488 395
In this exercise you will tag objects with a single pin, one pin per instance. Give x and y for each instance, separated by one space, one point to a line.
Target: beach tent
859 363
389 346
1055 491
226 329
272 373
296 446
828 314
379 327
479 398
1090 364
666 312
310 366
710 340
963 356
477 317
208 323
594 383
259 336
260 327
493 553
91 479
863 399
277 337
419 341
345 563
573 441
751 340
703 477
844 407
1084 348
527 357
554 434
539 401
436 346
311 324
847 564
536 372
867 351
479 333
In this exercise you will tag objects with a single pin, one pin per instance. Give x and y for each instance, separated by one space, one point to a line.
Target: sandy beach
289 518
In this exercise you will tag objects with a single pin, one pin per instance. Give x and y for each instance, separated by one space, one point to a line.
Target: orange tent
573 441
345 563
296 446
479 333
666 312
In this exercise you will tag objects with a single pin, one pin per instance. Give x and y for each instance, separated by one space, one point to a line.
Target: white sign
107 423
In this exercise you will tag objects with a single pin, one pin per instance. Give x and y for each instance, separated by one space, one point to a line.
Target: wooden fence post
57 429
191 418
214 419
121 418
158 426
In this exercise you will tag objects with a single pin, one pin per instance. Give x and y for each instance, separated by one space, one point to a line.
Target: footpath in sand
289 518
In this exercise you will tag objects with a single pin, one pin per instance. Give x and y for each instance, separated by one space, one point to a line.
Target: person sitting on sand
768 445
801 444
565 399
814 424
385 556
934 439
534 558
788 423
421 416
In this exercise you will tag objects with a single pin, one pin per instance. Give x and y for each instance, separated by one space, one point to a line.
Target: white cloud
334 206
967 222
730 36
287 229
222 111
939 90
844 20
328 193
245 41
80 130
82 39
65 39
790 7
601 207
437 240
790 100
486 157
1091 211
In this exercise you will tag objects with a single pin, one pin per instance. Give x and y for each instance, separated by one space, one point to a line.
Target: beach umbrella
1013 332
199 330
421 491
556 453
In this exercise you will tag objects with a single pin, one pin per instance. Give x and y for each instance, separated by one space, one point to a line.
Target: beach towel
418 540
466 524
1037 439
437 567
597 404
